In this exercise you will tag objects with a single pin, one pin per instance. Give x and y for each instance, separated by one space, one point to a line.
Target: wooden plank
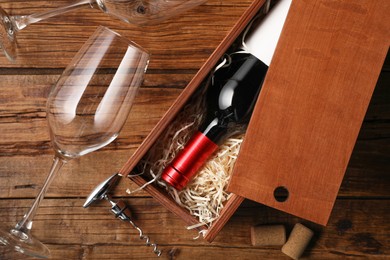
357 228
25 149
312 105
174 110
227 212
189 38
192 86
23 103
371 155
169 203
25 161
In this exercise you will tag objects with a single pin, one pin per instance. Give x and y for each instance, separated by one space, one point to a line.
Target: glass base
7 36
15 240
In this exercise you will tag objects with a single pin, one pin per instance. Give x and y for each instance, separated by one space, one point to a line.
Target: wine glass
86 110
131 11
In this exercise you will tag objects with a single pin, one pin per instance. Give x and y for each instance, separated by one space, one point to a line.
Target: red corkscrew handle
186 164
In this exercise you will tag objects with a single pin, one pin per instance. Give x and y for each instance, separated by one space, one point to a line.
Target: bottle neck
217 129
232 96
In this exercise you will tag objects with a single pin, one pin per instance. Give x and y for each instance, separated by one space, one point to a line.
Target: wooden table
359 225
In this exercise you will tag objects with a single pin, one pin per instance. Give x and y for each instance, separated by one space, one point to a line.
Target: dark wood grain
190 38
358 225
28 154
312 104
174 110
358 228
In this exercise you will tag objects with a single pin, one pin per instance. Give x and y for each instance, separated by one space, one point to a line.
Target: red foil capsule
186 164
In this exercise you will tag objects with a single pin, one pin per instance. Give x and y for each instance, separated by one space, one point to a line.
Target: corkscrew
120 209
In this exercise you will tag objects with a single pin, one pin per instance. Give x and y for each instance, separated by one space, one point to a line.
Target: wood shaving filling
206 194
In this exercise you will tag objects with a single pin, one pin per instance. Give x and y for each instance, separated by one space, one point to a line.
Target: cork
297 242
268 235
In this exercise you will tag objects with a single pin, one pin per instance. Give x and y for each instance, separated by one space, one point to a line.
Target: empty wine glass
131 11
86 110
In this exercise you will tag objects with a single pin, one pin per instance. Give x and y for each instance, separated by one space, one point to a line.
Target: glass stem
26 223
20 22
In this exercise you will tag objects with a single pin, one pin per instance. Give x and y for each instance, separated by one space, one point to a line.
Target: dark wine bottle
230 102
231 97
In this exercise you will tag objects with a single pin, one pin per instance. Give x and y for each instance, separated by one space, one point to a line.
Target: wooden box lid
312 105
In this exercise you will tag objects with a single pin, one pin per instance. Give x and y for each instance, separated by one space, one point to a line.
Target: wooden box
309 112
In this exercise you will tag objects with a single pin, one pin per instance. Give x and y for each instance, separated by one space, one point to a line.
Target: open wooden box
338 47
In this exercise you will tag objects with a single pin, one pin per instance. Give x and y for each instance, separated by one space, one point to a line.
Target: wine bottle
230 102
230 98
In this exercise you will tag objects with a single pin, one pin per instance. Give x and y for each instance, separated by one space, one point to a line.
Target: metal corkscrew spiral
120 209
145 237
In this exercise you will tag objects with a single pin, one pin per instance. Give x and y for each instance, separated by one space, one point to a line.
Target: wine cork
297 242
268 235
